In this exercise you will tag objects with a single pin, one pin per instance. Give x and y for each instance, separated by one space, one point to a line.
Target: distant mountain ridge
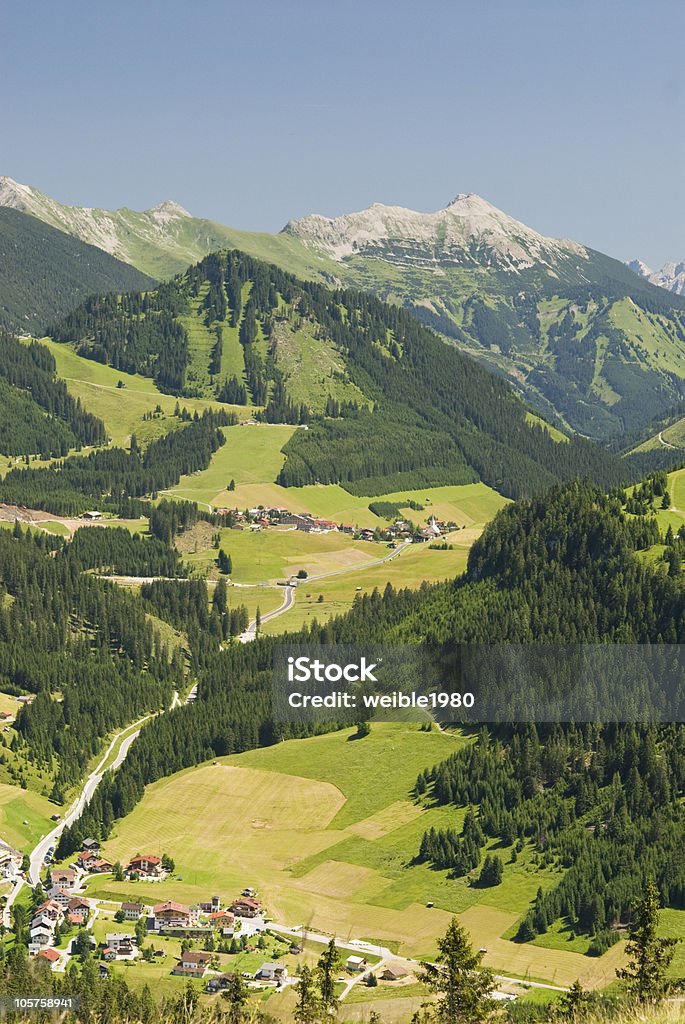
596 348
671 276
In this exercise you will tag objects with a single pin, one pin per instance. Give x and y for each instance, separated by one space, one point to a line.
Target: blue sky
567 114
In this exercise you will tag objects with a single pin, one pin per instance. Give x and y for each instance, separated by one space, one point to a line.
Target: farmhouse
219 982
245 906
170 913
91 845
132 911
355 963
91 516
272 972
393 972
148 865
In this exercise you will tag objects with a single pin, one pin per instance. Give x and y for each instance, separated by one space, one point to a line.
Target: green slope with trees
45 273
401 410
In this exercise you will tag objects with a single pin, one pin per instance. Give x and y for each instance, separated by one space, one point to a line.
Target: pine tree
649 956
309 1008
463 987
326 969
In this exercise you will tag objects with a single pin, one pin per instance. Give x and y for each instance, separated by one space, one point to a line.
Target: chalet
393 972
195 959
366 534
64 878
99 867
148 865
91 845
132 911
41 921
122 943
51 955
219 982
355 963
85 859
188 972
221 919
77 905
91 516
50 909
108 954
272 972
245 906
75 919
346 528
103 970
170 913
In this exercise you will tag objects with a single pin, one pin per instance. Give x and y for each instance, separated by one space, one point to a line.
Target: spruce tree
463 987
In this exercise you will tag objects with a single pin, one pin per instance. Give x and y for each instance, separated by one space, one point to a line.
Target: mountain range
671 276
596 348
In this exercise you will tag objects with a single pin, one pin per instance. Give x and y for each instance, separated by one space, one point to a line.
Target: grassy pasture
327 832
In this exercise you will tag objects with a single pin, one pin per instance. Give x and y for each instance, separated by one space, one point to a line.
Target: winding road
289 595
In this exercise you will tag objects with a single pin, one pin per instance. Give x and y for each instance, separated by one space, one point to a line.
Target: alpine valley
387 428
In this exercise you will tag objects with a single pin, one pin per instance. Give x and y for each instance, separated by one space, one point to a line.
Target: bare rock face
468 232
671 276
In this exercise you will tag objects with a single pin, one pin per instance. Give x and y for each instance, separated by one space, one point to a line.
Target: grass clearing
122 409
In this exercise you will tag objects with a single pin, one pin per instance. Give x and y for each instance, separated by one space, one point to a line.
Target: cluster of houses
262 517
62 906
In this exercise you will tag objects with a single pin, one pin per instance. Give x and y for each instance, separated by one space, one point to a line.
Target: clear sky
567 114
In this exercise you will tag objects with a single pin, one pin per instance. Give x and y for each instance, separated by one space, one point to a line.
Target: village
195 943
261 518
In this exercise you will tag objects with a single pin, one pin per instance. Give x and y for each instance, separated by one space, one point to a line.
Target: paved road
91 784
289 595
37 856
287 603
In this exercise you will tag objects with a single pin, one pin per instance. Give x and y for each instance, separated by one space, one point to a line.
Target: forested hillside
37 413
45 273
115 479
393 407
82 648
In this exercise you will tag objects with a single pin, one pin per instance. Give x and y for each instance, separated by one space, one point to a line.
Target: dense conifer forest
82 647
45 273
